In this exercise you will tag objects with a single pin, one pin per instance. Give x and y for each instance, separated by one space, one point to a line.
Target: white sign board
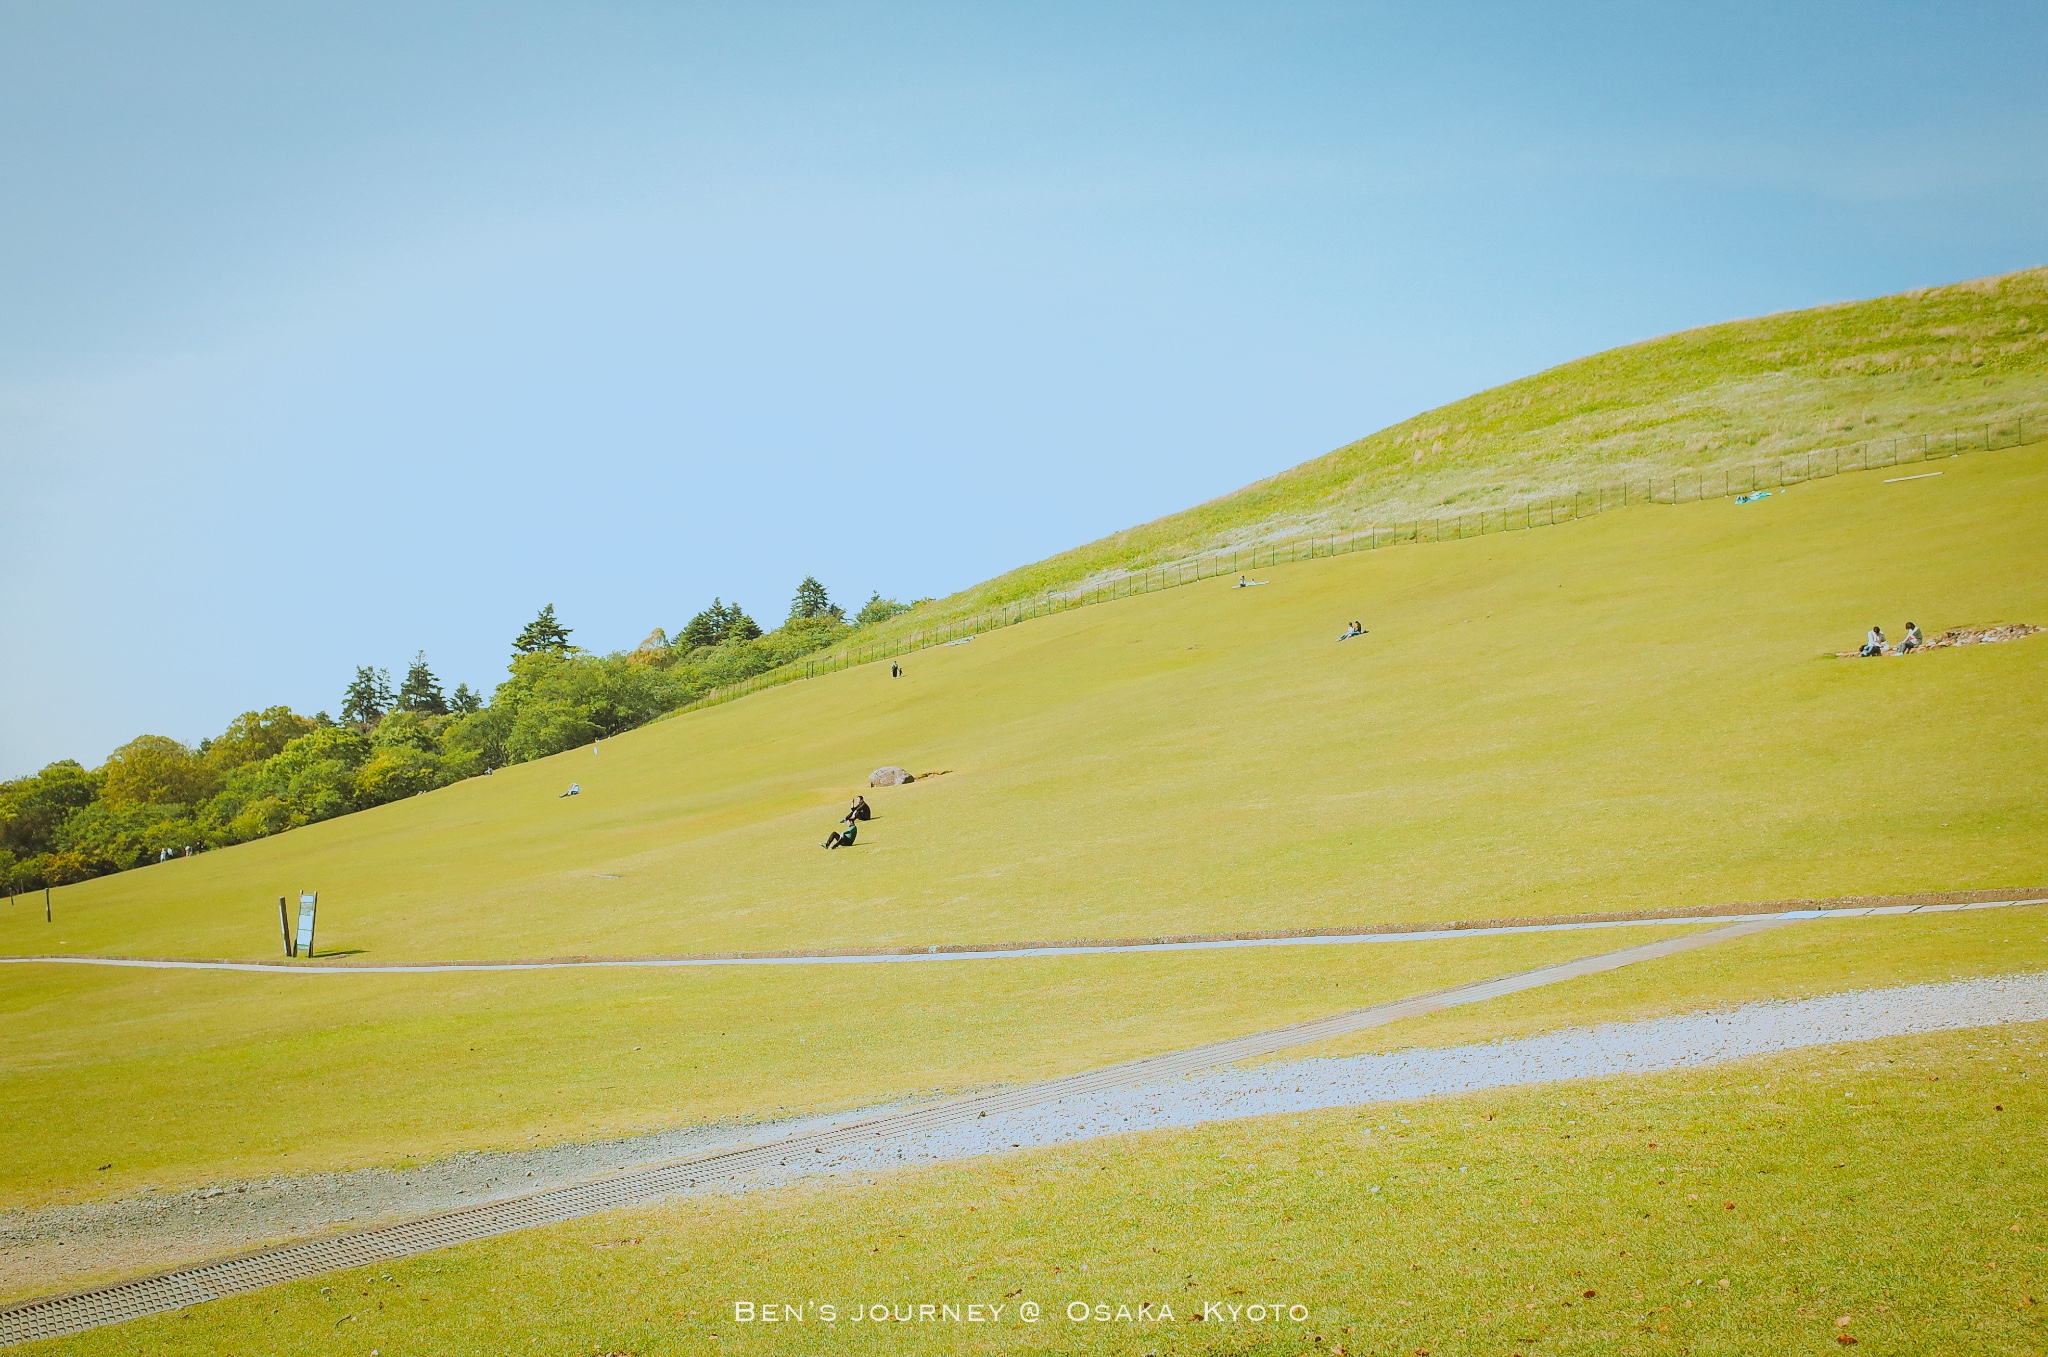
307 903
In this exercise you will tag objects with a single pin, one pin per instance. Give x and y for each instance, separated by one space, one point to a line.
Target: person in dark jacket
859 810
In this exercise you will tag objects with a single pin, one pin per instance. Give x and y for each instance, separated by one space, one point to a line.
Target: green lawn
181 1077
1887 1193
1625 712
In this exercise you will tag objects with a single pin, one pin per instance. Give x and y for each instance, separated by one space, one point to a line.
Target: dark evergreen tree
543 633
718 623
421 691
739 626
812 601
367 698
462 701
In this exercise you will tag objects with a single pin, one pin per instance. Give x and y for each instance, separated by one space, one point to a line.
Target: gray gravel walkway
1757 1029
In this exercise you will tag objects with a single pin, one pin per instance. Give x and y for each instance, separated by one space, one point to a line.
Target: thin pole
46 904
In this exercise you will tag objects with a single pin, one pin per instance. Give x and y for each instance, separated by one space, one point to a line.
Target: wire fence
1566 506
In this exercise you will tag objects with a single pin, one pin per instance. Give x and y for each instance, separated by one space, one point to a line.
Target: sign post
284 926
308 902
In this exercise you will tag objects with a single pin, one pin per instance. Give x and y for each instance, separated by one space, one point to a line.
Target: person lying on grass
1243 583
843 838
1356 630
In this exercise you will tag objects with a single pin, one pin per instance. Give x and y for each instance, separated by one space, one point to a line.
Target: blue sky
332 333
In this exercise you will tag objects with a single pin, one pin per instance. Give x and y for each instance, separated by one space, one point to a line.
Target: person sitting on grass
843 838
1912 640
1356 630
858 810
1873 644
574 790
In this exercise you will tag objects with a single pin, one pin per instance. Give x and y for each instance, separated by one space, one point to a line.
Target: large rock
891 776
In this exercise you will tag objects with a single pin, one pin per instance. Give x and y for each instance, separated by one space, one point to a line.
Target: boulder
891 776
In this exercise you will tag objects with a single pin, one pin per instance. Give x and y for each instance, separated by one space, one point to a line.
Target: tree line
275 769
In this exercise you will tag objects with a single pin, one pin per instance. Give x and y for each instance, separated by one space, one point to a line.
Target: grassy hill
1623 712
1631 711
1879 376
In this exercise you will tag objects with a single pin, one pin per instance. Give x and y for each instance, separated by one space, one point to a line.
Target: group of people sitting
850 824
1875 644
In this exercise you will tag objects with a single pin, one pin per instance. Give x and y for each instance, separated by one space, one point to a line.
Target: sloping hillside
1622 712
1931 363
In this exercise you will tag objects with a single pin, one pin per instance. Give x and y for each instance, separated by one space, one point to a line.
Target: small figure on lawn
843 838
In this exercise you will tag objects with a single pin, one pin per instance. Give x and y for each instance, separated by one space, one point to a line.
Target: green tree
544 634
313 777
114 836
254 736
812 601
878 609
33 809
393 771
717 624
557 702
464 700
155 770
63 868
367 698
476 741
421 691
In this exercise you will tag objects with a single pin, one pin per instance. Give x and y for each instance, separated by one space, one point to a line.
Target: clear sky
329 333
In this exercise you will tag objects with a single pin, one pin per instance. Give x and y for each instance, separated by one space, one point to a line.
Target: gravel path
1756 1029
132 1234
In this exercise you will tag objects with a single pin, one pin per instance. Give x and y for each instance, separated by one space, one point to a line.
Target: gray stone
891 776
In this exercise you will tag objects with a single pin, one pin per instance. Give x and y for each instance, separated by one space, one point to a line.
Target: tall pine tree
543 633
421 691
812 601
367 698
717 624
462 701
